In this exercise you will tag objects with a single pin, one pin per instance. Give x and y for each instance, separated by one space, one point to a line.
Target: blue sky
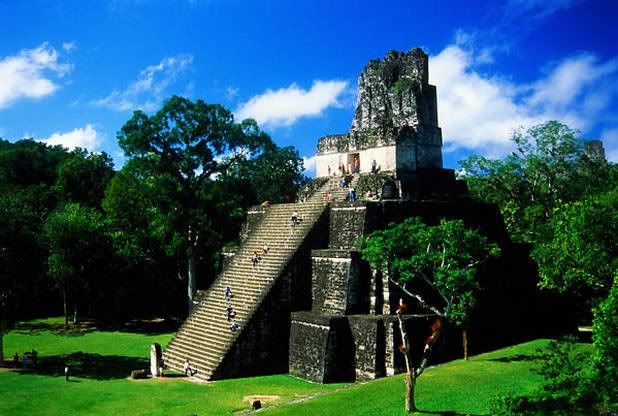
72 72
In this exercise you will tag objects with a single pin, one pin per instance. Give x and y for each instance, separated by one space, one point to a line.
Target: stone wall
347 224
389 91
369 336
340 282
385 157
321 348
326 348
227 254
254 217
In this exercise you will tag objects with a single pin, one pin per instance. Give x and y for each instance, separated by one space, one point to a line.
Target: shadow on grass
446 413
174 375
94 366
515 358
38 327
144 326
137 326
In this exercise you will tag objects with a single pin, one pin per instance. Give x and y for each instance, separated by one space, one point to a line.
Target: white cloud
69 46
86 137
32 73
285 106
479 111
538 9
309 165
231 93
569 79
150 88
610 142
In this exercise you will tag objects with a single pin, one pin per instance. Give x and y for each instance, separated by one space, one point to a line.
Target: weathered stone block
321 348
347 223
340 282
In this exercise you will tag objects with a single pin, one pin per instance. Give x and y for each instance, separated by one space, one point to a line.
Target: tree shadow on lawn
86 365
514 358
446 413
143 326
34 328
137 326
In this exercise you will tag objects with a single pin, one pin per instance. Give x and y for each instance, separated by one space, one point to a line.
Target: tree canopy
79 252
442 258
578 251
547 169
177 156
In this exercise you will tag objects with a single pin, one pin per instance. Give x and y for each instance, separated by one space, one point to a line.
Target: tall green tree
146 261
578 251
27 162
436 266
19 250
547 169
83 177
272 175
605 341
27 174
181 149
78 253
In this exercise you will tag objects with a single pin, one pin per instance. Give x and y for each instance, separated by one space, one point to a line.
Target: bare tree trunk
75 313
410 374
436 330
464 332
66 312
190 279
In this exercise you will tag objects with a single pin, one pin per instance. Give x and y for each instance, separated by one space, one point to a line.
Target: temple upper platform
395 126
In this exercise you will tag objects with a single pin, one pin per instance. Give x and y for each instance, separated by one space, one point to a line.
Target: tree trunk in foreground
410 385
464 332
66 312
190 280
410 376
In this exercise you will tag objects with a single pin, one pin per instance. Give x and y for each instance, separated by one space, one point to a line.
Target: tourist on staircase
230 313
189 370
255 259
294 220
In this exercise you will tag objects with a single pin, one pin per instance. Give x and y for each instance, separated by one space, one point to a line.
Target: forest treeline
114 244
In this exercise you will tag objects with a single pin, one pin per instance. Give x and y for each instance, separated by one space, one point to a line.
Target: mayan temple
312 306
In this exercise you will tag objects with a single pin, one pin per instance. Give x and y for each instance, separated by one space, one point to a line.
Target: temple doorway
353 165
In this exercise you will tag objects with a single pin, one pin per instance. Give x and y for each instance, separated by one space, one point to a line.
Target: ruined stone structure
312 306
395 123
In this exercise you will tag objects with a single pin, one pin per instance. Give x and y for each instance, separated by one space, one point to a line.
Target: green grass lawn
103 358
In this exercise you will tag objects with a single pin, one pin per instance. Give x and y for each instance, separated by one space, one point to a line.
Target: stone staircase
333 186
205 337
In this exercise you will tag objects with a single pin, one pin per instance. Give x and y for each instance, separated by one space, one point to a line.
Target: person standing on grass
66 373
